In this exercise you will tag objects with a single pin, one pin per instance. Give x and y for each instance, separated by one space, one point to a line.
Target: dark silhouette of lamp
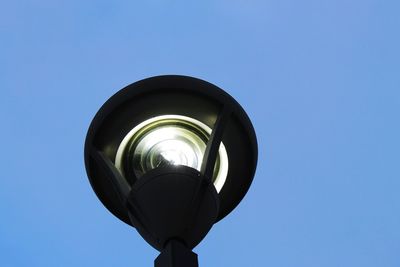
171 156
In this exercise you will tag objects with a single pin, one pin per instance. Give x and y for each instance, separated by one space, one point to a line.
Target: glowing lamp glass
170 140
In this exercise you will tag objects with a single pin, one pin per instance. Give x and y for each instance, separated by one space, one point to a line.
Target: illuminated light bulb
169 145
169 140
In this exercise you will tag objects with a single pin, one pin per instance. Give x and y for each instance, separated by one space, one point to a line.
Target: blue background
320 80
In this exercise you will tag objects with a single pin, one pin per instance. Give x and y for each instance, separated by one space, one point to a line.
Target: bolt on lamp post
171 156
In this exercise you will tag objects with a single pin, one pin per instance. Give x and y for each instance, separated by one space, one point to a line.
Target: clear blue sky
320 80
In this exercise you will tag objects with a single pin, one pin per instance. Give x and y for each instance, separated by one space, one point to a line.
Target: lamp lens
167 141
168 145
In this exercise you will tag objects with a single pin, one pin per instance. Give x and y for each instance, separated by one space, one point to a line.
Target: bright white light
165 140
169 145
177 153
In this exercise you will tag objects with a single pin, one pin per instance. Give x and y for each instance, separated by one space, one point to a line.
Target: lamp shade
167 122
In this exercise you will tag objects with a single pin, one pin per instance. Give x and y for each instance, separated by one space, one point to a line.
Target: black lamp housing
172 207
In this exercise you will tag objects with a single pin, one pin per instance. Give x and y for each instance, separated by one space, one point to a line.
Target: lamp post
171 156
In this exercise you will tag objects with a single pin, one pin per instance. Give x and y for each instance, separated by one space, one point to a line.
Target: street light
171 156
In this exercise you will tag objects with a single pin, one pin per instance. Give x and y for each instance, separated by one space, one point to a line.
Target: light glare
159 144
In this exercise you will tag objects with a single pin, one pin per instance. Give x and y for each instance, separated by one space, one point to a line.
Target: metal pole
176 254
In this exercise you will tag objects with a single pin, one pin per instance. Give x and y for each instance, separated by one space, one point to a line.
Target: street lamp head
171 156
